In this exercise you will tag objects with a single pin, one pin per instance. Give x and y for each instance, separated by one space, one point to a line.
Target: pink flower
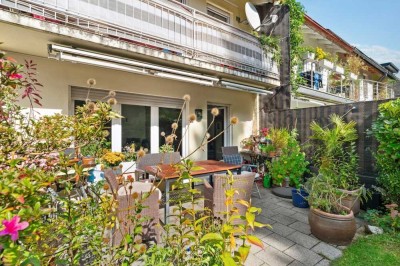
12 227
15 76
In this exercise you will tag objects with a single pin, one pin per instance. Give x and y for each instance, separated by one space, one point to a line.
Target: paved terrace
290 241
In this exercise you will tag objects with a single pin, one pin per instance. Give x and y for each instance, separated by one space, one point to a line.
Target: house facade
151 52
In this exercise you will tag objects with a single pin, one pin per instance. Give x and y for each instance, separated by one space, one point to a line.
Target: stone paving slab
327 251
281 229
301 227
253 260
304 255
279 242
283 219
274 257
303 239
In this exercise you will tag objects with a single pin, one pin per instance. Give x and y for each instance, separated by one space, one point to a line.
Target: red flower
15 76
12 227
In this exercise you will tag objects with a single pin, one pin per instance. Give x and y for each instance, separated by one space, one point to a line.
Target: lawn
372 250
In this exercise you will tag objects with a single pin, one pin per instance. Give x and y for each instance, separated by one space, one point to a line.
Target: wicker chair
214 197
126 202
234 150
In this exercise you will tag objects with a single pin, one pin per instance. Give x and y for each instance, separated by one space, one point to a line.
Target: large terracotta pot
351 201
332 228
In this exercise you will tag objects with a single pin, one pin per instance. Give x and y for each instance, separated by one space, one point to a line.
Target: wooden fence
364 113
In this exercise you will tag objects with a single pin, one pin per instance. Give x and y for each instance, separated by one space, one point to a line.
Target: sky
373 26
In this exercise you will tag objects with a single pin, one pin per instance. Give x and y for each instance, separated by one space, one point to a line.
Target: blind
79 93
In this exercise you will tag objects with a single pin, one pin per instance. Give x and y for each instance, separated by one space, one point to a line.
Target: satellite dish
252 16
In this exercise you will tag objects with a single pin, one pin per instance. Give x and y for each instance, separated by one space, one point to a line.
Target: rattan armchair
214 196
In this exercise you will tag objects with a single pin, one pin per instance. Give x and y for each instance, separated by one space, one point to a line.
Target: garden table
169 174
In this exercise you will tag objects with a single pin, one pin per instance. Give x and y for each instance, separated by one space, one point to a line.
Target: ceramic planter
332 228
299 198
325 64
352 200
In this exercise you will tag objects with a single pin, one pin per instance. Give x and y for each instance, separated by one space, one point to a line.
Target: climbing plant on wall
297 12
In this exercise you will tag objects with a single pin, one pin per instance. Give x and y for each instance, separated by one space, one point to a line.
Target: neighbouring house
328 75
151 52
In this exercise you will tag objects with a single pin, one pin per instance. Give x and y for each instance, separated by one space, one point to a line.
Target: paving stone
265 220
296 263
324 262
284 211
281 229
342 247
254 249
301 227
303 255
286 204
283 219
302 210
262 232
252 260
268 212
278 242
273 257
300 217
327 251
303 239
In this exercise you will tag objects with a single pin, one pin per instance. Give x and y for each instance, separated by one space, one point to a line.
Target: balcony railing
355 90
159 24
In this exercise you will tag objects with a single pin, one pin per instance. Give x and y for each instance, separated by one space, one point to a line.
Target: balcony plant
329 220
335 156
271 45
309 53
247 143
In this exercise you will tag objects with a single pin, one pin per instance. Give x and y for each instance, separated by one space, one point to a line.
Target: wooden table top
167 171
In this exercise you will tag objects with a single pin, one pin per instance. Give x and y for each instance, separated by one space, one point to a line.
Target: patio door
214 148
144 118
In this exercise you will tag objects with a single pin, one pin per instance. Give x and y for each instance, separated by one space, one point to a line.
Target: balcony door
214 148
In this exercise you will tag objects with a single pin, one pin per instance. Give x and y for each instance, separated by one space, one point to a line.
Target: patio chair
214 196
155 159
126 212
231 155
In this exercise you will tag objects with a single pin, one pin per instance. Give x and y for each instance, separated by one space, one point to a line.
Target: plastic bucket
298 198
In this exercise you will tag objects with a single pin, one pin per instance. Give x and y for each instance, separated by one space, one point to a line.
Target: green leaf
31 261
227 259
244 252
212 237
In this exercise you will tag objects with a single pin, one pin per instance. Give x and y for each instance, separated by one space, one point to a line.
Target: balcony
333 88
166 27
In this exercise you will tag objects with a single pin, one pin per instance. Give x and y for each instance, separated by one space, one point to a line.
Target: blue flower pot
298 198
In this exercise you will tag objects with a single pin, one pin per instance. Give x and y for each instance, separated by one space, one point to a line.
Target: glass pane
167 116
135 126
214 148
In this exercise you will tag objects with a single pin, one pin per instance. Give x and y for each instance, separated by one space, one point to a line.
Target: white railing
355 90
159 24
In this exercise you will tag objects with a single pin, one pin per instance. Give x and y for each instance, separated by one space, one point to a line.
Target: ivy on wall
297 12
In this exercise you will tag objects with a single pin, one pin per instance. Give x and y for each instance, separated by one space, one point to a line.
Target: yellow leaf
255 241
244 253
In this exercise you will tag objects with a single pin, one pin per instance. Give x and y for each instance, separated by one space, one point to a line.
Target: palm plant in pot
335 156
329 220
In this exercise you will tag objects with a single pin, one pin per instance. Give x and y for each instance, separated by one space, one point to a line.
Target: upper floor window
218 13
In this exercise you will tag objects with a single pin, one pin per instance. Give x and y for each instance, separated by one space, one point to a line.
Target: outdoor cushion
233 159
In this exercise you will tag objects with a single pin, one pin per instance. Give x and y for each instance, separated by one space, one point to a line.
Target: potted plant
335 155
247 143
323 58
288 169
129 152
113 160
309 54
279 138
329 221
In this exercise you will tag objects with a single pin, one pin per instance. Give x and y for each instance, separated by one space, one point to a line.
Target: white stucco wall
57 78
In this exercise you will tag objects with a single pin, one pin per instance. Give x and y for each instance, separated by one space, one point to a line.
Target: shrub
386 130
